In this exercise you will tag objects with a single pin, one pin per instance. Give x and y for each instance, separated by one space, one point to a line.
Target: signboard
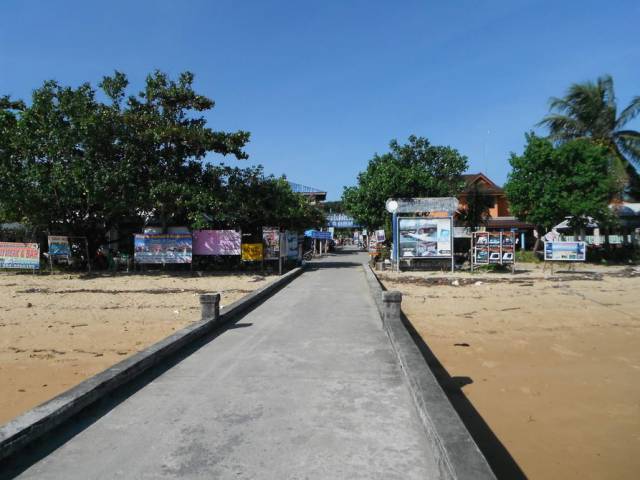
271 239
449 205
59 246
318 235
380 237
158 248
19 255
494 248
252 252
341 220
292 244
216 242
425 237
565 251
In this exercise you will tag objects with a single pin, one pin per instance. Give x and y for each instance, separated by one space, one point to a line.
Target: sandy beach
550 362
57 330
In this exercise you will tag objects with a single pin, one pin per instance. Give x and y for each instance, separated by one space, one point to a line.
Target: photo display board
565 251
19 255
292 244
271 239
169 248
425 237
494 248
59 246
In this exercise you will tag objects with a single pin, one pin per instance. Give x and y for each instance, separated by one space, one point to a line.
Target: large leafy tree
549 183
414 169
589 110
72 164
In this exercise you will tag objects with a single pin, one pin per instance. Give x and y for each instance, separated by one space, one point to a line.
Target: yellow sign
251 252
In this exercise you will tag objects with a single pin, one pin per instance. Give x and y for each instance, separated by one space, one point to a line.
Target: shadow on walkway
499 458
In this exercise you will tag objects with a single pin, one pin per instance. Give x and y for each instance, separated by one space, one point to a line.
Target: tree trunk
536 244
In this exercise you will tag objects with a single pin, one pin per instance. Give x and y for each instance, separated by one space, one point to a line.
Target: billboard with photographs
292 244
271 239
425 237
161 249
19 255
59 246
494 248
217 242
565 251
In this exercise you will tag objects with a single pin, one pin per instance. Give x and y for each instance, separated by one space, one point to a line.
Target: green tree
477 210
168 138
74 165
415 169
11 181
589 110
547 184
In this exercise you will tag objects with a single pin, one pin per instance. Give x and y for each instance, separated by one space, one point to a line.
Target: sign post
422 228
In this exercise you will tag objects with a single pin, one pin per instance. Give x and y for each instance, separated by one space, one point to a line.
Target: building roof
485 185
298 188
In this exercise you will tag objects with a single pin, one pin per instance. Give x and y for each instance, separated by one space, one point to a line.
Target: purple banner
216 242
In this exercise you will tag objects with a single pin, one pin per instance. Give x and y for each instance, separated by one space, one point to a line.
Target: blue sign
318 235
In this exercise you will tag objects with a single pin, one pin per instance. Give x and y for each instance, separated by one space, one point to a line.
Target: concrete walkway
306 386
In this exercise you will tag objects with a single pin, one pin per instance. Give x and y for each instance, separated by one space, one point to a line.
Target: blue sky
322 86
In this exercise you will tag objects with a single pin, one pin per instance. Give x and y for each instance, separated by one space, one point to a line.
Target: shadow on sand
499 458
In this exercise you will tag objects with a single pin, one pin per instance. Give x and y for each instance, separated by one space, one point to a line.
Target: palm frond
562 127
629 113
591 106
605 85
630 147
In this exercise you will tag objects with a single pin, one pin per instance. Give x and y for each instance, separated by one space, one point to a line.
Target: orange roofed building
500 216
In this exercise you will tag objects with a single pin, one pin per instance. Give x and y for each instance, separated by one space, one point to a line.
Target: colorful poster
159 248
271 239
494 247
425 237
59 246
565 251
292 244
216 242
252 252
19 255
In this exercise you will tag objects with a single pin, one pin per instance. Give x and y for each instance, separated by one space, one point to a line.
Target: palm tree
589 110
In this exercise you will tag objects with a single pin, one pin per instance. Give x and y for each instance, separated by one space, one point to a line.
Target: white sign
565 251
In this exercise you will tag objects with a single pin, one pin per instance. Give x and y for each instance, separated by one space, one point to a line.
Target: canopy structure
314 194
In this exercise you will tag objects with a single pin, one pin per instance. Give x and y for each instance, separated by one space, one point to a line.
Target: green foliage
415 169
589 110
548 184
527 256
72 164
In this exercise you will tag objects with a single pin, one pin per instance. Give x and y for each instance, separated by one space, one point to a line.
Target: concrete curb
458 455
31 425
